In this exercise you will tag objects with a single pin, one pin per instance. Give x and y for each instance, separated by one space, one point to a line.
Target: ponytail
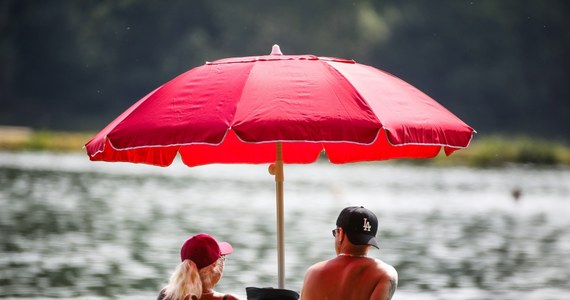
185 281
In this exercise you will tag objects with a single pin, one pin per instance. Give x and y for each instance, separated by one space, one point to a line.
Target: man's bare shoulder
387 281
315 269
317 266
337 278
386 269
372 268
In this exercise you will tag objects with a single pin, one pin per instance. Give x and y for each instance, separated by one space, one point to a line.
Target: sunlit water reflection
71 228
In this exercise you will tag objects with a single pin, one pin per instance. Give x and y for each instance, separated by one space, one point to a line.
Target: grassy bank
20 139
497 151
489 151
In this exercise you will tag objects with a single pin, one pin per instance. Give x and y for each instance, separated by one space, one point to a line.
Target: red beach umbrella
280 109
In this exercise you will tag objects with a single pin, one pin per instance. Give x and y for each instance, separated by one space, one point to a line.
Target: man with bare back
351 275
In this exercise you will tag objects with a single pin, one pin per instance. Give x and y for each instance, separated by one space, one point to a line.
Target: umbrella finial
276 50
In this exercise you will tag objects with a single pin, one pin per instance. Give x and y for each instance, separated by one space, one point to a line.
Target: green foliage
497 151
498 65
47 141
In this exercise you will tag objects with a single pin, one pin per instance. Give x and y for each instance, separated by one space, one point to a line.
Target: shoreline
488 151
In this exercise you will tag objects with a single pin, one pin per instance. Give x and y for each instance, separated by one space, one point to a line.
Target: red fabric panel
408 115
234 151
340 153
159 156
195 107
302 100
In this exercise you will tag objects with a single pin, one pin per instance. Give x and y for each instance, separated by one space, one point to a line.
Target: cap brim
362 239
225 248
374 243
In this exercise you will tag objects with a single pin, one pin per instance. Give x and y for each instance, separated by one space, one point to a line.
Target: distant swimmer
516 192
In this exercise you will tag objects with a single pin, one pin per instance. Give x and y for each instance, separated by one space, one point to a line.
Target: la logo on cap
366 225
359 224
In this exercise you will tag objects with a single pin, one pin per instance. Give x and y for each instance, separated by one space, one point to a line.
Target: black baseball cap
359 224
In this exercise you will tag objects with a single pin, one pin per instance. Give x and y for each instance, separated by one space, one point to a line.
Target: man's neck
352 255
354 251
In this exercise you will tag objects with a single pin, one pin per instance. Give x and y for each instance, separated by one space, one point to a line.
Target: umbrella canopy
280 109
235 110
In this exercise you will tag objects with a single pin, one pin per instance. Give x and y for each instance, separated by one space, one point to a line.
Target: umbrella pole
279 179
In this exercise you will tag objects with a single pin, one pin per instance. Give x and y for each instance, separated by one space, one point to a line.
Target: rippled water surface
71 228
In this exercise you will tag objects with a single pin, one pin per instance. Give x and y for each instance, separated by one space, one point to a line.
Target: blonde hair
187 280
210 275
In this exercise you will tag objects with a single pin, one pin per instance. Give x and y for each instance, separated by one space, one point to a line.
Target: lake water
75 229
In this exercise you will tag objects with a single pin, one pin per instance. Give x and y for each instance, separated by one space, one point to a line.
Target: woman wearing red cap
200 270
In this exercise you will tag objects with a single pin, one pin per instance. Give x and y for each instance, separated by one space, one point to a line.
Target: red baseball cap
204 250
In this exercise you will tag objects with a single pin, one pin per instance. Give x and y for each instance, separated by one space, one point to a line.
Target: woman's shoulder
161 295
230 297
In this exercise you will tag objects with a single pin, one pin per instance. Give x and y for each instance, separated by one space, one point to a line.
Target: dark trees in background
502 66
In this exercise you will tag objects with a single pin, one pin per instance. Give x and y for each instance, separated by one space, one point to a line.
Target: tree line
502 66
